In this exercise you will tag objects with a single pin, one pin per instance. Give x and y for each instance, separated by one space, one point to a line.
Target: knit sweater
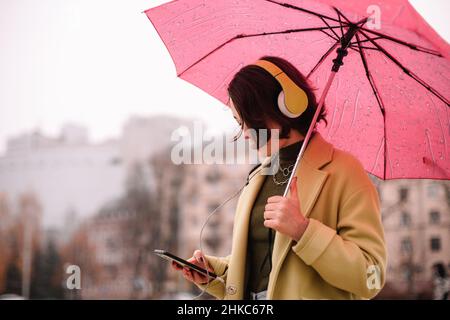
260 238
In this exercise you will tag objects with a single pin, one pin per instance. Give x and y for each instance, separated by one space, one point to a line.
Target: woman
324 240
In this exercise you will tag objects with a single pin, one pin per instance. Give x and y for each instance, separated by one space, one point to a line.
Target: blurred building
5 214
20 239
143 137
6 223
416 219
124 234
204 188
71 174
65 171
165 229
113 276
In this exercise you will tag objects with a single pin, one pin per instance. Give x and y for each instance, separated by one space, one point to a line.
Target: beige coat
341 255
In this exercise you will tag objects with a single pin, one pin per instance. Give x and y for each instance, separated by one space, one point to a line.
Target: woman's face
246 130
239 121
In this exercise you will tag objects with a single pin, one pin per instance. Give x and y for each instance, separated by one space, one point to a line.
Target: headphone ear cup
282 106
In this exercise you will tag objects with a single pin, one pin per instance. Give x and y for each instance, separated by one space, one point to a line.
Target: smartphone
171 257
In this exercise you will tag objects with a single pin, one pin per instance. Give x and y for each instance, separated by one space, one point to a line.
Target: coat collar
318 153
310 182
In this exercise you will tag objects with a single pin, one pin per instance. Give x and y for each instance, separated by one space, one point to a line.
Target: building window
406 273
213 176
175 183
406 246
435 244
115 161
403 194
213 242
405 219
111 244
435 217
112 270
432 190
214 223
212 207
194 199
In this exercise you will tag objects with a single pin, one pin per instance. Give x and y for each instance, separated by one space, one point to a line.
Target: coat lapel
310 183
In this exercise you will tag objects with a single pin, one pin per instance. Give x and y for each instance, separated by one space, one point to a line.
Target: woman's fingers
187 274
192 260
176 266
192 275
201 260
271 206
198 255
269 214
198 278
275 199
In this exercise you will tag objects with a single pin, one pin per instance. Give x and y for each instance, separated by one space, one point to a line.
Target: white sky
96 62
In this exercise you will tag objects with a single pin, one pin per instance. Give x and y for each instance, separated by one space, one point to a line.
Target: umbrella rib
362 41
368 48
369 76
337 39
377 97
363 21
241 36
322 59
353 48
332 30
330 35
408 72
409 45
340 21
285 31
287 5
358 24
341 14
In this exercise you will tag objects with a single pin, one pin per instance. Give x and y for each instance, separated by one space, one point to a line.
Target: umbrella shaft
311 128
342 50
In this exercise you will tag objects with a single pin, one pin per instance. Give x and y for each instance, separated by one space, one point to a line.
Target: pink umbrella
387 105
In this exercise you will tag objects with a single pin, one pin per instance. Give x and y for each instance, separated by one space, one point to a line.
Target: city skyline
71 174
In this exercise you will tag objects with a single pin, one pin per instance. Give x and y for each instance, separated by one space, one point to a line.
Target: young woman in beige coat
325 239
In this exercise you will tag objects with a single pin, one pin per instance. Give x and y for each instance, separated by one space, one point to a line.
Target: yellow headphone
292 100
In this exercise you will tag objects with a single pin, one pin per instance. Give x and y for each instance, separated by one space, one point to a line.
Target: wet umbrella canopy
388 104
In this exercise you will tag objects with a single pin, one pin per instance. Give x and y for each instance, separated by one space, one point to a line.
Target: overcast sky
96 62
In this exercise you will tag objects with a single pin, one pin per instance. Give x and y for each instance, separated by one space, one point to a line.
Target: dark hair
255 91
439 269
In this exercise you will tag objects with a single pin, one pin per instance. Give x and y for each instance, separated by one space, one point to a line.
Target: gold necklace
286 172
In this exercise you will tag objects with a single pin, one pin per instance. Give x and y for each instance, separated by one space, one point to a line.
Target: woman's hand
283 214
193 275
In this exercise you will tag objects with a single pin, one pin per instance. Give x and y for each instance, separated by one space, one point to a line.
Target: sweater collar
318 153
